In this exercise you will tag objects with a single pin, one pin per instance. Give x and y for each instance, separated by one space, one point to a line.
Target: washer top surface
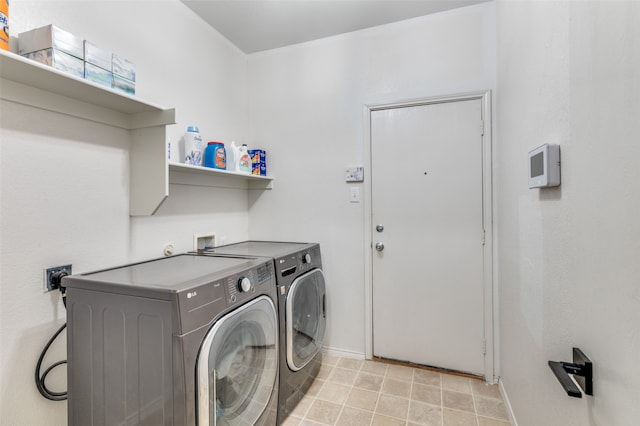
171 274
261 248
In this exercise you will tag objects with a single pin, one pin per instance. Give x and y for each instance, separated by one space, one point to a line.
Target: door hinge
481 127
484 237
484 347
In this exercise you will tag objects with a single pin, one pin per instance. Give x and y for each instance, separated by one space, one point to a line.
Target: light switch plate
354 195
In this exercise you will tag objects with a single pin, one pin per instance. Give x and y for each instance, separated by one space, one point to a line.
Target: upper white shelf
31 83
206 176
34 84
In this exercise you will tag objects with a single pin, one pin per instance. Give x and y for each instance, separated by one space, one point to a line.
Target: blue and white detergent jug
193 146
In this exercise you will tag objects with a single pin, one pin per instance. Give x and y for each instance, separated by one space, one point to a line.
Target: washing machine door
305 318
238 365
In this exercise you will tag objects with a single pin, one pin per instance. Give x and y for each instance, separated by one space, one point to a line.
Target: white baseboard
507 404
342 353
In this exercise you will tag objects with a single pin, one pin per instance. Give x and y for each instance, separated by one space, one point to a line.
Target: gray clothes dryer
185 340
301 309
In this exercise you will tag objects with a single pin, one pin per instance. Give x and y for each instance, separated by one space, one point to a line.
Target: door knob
380 228
379 246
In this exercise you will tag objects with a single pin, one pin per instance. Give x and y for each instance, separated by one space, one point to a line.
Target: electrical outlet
52 276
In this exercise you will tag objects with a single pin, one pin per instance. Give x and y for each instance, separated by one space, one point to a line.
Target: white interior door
427 280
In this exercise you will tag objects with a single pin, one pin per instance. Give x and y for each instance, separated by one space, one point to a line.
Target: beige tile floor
354 392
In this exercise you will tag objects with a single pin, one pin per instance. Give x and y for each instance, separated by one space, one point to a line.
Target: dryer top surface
262 248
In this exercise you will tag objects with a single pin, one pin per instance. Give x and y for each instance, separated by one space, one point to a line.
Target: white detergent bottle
244 164
233 157
193 147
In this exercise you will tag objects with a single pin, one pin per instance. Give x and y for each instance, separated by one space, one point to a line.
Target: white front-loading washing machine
182 341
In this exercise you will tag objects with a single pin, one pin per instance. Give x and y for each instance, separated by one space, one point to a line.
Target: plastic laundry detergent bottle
193 146
244 164
233 157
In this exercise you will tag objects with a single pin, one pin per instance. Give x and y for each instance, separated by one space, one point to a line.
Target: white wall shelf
35 84
31 83
184 174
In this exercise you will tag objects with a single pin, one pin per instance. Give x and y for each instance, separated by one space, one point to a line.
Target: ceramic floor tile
306 422
426 377
374 367
458 418
485 421
303 406
315 387
342 376
380 420
292 421
456 383
395 387
334 392
490 407
400 372
458 401
330 359
392 406
429 394
480 388
424 414
362 398
323 412
325 371
350 363
368 381
354 417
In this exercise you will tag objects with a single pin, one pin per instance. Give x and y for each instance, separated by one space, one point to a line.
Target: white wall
64 182
568 257
306 108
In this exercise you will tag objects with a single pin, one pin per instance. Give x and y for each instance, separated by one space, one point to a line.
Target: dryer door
238 365
306 318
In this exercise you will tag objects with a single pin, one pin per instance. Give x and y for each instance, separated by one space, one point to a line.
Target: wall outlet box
52 276
204 241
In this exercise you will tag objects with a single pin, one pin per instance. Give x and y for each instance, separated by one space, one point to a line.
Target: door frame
487 217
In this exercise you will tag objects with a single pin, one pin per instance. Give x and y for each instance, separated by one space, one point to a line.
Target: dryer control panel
295 264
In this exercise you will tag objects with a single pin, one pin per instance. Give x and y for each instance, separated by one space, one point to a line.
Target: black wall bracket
582 371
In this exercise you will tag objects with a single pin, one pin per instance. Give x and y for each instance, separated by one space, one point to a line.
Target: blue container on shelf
215 156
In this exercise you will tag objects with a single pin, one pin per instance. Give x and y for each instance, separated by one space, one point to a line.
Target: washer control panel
241 286
244 284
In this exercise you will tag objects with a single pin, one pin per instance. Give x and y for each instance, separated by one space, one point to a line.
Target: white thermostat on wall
544 166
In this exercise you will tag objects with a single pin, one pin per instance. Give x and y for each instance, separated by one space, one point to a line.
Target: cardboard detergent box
123 68
97 56
98 75
50 37
123 85
258 162
58 60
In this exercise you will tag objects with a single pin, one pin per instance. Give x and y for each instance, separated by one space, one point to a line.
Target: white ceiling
256 25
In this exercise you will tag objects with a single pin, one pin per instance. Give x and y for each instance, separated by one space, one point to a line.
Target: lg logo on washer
192 294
